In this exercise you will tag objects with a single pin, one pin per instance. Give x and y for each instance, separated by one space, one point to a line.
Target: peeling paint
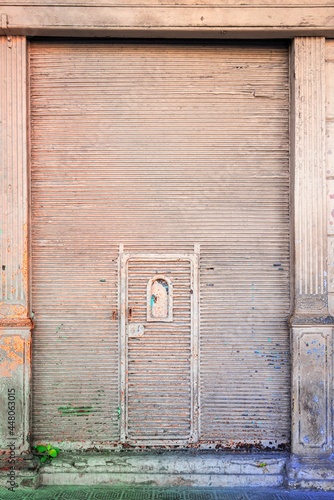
11 311
12 350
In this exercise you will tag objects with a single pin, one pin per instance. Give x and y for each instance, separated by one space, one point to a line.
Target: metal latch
136 330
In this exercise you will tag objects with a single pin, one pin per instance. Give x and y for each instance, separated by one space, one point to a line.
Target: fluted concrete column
15 324
312 328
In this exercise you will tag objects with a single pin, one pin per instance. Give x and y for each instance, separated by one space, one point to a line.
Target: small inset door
159 355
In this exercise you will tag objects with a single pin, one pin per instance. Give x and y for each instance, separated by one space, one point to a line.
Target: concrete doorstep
173 469
200 469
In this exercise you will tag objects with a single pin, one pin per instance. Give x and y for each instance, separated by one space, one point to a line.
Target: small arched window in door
160 299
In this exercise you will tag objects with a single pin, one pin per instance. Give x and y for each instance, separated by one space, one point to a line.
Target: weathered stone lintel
100 20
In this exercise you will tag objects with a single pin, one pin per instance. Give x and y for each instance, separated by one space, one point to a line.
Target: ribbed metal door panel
159 362
159 147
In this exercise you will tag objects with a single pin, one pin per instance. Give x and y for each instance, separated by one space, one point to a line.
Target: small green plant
46 453
262 464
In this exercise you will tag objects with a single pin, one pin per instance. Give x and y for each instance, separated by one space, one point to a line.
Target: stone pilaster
15 324
312 324
330 168
309 176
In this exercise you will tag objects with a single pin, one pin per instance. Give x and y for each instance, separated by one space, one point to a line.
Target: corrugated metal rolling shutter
160 147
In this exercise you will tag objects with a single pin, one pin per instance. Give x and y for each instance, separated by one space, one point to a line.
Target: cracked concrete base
167 469
26 472
175 469
314 473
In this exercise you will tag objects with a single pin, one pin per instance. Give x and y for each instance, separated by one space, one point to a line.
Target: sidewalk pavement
155 493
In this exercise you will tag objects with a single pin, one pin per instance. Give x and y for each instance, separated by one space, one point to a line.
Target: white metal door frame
124 259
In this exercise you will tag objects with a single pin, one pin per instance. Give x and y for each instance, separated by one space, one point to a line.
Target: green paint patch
77 411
